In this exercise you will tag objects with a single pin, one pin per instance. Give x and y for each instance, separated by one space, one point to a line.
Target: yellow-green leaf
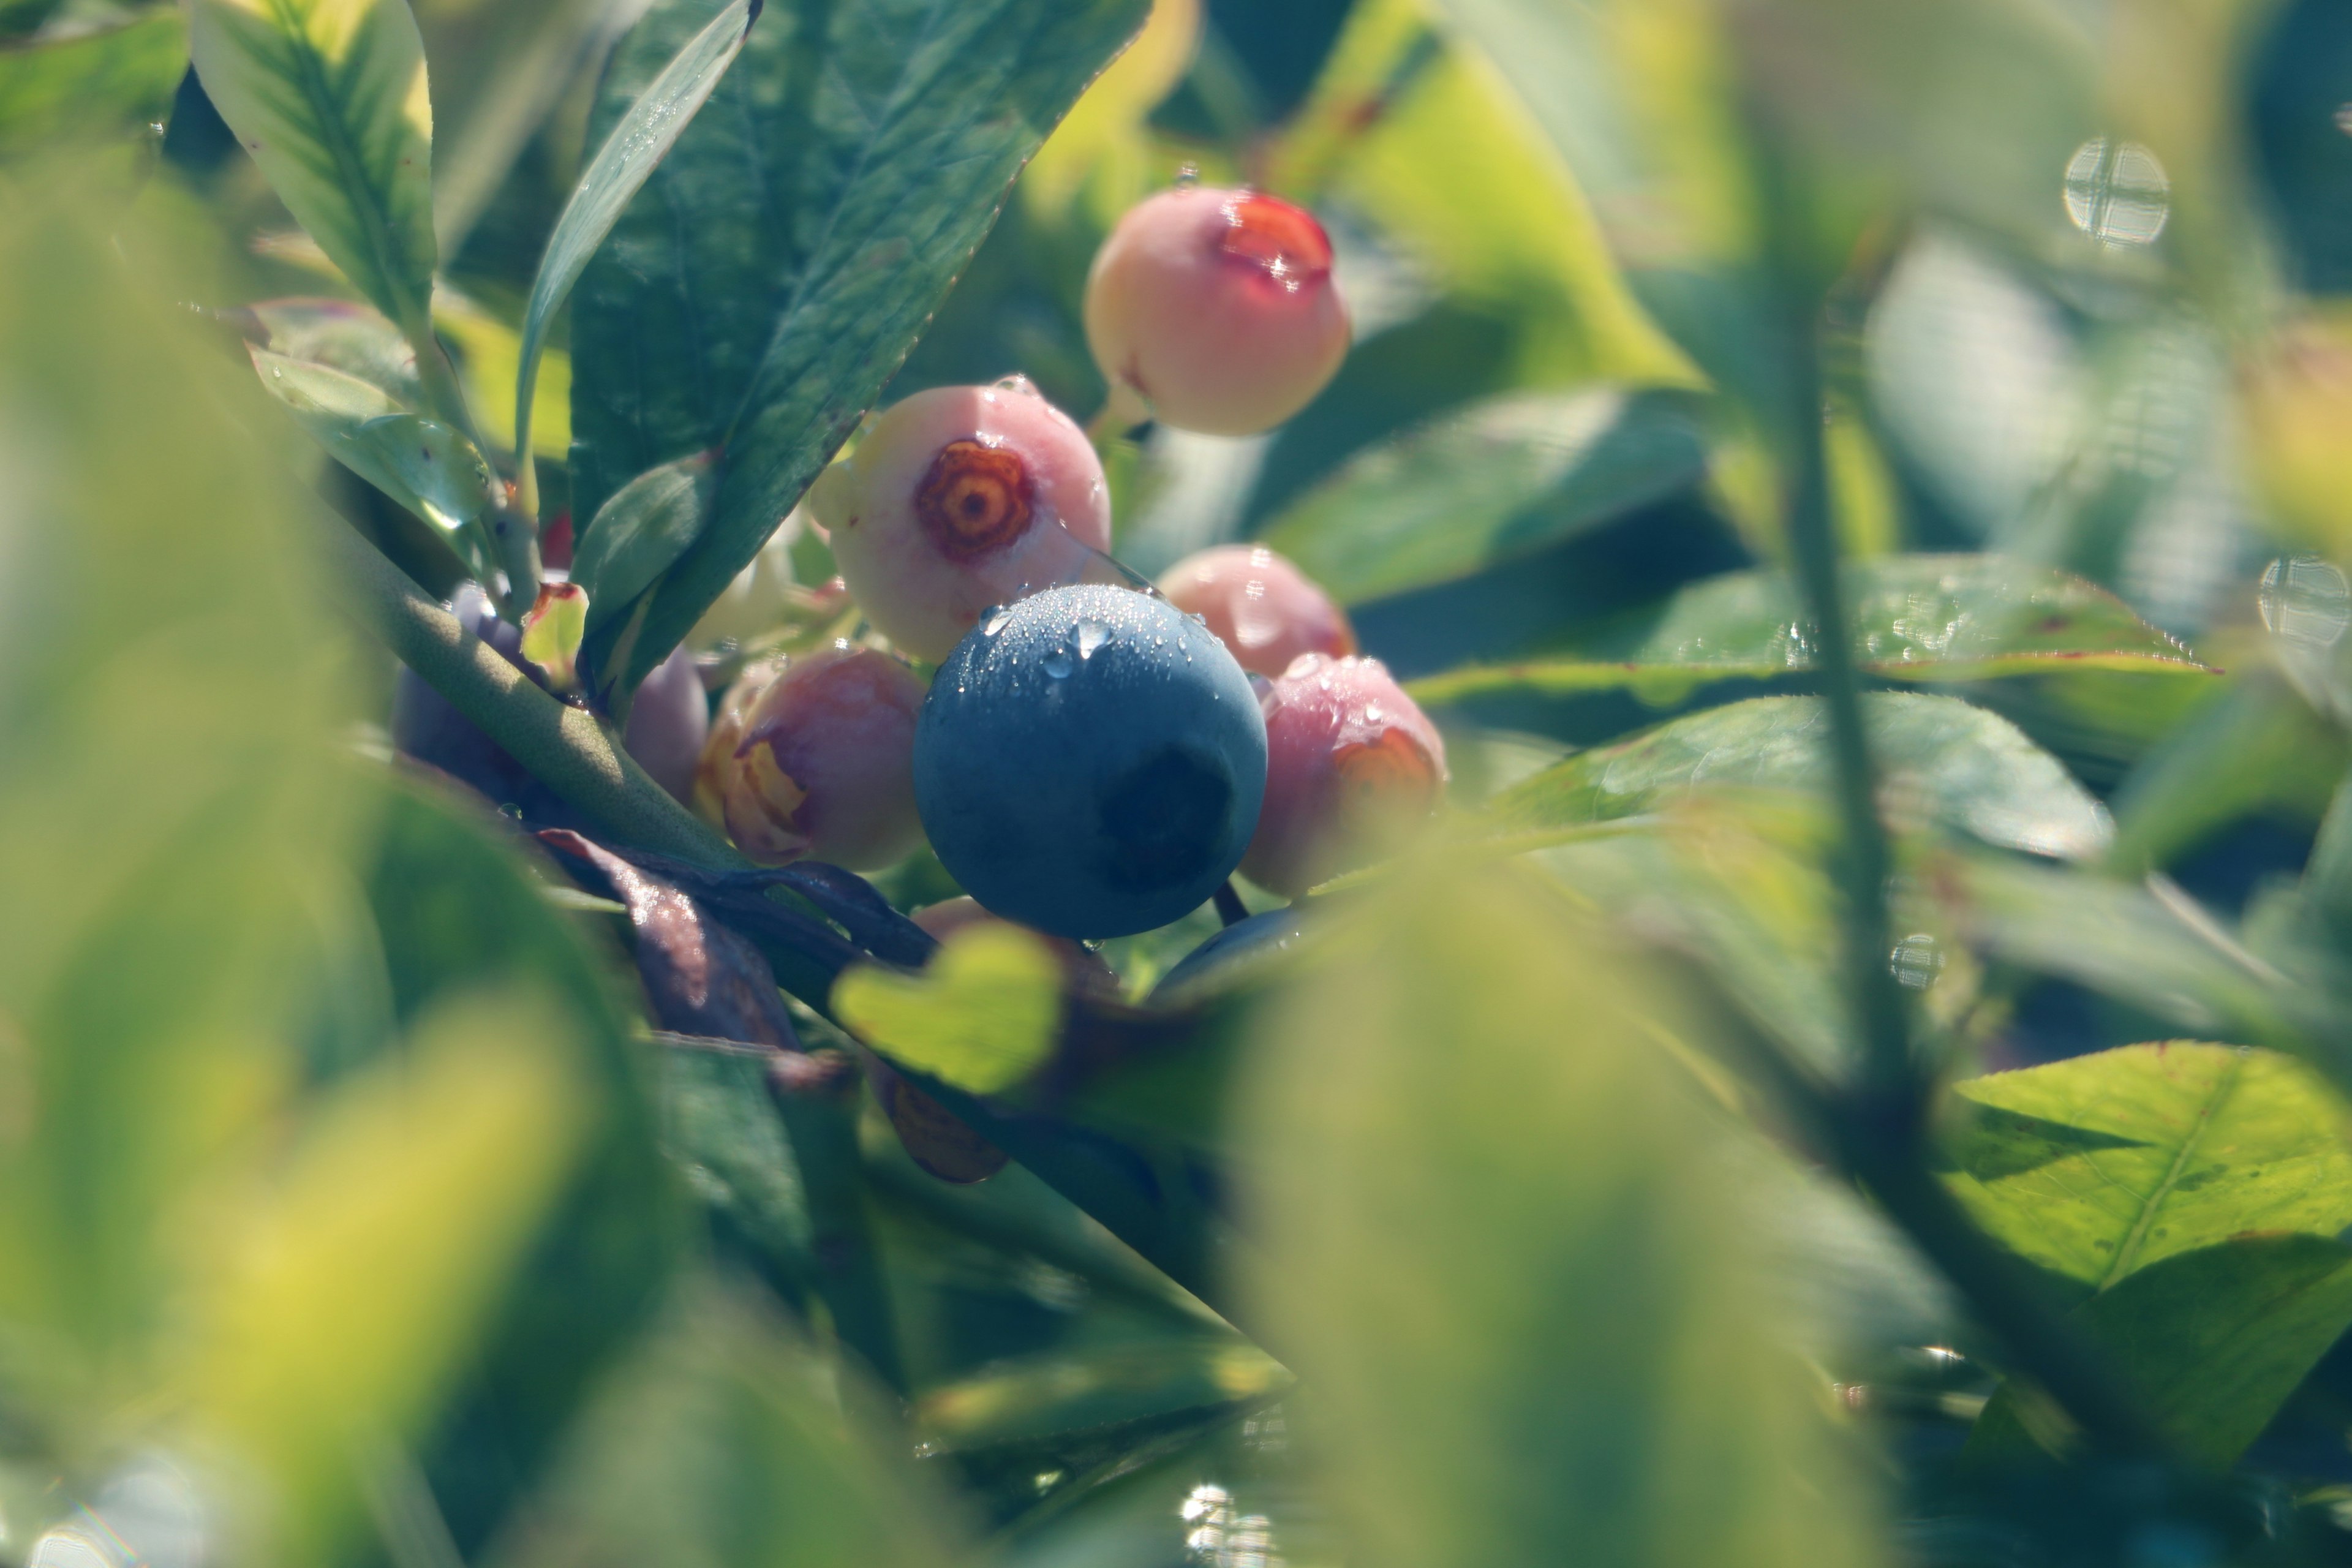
329 98
982 1016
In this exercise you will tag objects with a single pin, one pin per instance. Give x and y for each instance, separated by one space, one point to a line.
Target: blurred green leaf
1502 479
2100 1166
1944 765
457 913
1420 135
341 335
111 83
492 350
2214 1340
722 1131
338 1308
1506 1263
2160 954
329 98
2255 747
1069 1391
726 1442
1914 617
980 1016
421 463
780 263
638 534
631 150
168 798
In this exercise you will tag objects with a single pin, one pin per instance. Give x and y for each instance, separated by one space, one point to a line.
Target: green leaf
329 98
782 260
1916 617
421 463
341 335
722 1131
111 83
638 533
1502 479
341 1305
726 1440
2097 1167
634 147
2213 1341
1944 765
167 783
980 1017
458 912
1503 1254
553 628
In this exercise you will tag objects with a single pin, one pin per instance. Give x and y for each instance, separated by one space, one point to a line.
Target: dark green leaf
630 152
636 535
1506 477
776 269
1944 763
2097 1167
105 83
727 1441
329 96
719 1127
2214 1341
1916 617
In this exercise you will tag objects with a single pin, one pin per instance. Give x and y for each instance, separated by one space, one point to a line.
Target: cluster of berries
1091 758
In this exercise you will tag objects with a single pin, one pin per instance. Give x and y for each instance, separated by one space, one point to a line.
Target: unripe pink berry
1264 609
1084 968
1218 307
1351 764
817 760
669 722
957 500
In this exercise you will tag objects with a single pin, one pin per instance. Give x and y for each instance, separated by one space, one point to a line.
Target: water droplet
1916 961
2118 193
1092 634
2344 118
1058 663
2306 600
1374 713
1188 174
998 619
1018 382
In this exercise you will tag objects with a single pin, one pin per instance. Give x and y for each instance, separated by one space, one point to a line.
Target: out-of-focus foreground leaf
2191 1194
165 788
980 1017
1914 617
1502 479
329 98
110 82
727 1442
1511 1270
778 265
1945 764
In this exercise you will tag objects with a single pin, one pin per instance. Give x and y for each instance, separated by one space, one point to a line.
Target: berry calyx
958 500
816 759
1218 308
1352 765
1262 607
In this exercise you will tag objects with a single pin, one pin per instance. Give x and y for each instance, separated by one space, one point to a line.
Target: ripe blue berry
1090 762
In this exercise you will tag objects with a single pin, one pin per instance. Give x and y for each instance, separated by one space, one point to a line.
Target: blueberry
1090 762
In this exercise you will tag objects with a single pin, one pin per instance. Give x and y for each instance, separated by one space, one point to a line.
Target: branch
564 747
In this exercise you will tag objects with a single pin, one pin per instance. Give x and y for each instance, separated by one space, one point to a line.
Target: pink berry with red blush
816 759
1264 609
1353 765
954 501
1218 308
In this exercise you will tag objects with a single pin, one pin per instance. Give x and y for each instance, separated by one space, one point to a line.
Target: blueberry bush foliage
1851 500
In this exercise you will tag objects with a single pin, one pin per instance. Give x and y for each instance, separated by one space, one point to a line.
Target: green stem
1865 862
563 747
